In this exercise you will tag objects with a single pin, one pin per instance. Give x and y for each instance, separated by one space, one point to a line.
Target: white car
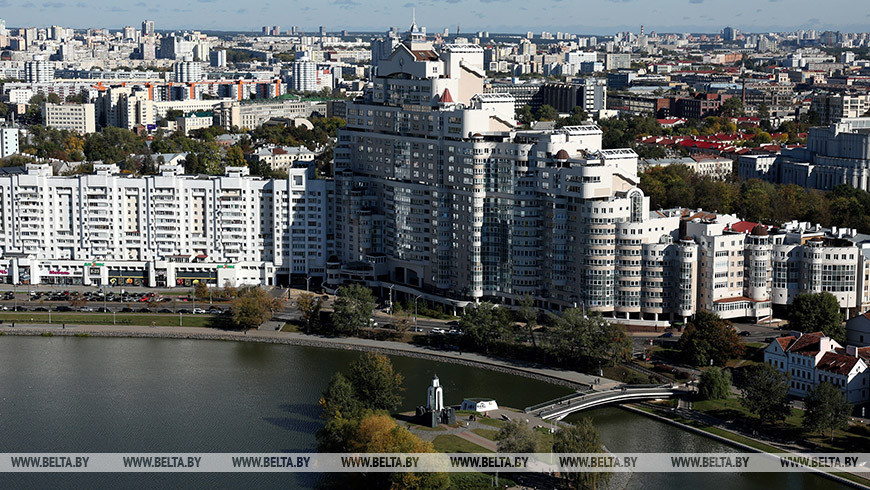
439 331
198 311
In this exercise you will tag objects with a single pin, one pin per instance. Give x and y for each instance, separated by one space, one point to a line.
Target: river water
62 394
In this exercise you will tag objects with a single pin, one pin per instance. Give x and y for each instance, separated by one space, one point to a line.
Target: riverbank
739 441
571 379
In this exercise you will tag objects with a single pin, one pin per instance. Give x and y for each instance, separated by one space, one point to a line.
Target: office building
833 108
79 118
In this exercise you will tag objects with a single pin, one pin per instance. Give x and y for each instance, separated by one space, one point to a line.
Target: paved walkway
267 334
478 440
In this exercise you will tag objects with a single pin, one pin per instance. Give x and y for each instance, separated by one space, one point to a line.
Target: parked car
127 309
164 310
744 333
63 308
144 310
186 312
40 308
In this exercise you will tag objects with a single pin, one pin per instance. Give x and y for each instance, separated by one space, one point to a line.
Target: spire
413 16
446 98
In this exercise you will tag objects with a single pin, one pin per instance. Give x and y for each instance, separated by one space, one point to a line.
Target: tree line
756 200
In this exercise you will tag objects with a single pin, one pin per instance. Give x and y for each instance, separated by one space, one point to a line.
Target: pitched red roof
446 98
807 344
837 363
784 342
743 226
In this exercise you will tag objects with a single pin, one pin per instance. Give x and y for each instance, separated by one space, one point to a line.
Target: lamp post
307 283
415 309
391 302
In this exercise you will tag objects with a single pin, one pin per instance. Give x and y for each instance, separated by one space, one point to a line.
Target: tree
547 113
818 312
715 384
581 437
376 385
78 300
528 314
402 322
235 157
586 340
516 436
200 290
826 409
353 309
339 400
765 393
709 338
253 307
524 114
484 325
732 107
309 307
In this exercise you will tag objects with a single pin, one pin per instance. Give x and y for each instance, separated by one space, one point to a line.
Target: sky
503 16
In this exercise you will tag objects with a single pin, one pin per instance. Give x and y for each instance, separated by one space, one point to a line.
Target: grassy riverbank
141 319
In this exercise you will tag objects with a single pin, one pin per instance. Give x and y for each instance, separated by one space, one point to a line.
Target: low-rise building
813 358
284 157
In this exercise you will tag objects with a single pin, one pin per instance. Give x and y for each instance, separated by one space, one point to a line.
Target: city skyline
609 16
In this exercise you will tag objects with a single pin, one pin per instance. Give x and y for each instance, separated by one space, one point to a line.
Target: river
65 394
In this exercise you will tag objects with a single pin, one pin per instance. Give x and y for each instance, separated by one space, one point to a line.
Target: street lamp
415 308
391 301
307 283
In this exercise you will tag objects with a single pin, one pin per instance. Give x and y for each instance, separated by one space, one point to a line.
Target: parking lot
102 301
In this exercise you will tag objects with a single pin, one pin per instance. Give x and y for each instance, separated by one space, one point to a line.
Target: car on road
186 312
40 308
85 308
198 311
20 308
440 331
454 331
144 310
744 333
164 310
63 308
127 309
416 329
103 309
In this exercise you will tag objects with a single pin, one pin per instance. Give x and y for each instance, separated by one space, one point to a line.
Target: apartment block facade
164 230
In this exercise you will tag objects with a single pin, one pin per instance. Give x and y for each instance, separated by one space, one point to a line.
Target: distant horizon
591 17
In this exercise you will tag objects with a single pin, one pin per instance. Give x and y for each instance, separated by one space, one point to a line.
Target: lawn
491 422
487 433
448 443
476 481
143 319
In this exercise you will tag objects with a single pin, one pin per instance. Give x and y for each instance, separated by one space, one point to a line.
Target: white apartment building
73 117
125 107
164 230
284 157
835 154
812 358
38 71
193 121
187 71
253 113
8 141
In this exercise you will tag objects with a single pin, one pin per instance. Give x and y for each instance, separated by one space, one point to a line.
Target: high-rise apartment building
38 70
147 27
8 141
187 71
163 230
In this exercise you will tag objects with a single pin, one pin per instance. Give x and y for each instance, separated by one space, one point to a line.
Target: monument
435 413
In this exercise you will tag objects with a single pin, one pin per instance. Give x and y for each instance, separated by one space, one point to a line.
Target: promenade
268 333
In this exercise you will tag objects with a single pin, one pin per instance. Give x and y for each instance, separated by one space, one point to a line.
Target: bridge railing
557 400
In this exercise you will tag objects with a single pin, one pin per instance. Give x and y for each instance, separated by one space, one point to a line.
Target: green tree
235 157
817 312
546 113
715 384
353 309
528 314
484 325
375 383
524 114
339 399
586 340
733 107
516 436
826 409
309 307
253 307
581 437
765 393
708 337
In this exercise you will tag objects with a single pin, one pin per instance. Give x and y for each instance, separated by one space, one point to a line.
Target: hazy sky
575 16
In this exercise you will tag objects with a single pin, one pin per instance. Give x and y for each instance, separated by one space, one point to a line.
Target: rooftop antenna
413 16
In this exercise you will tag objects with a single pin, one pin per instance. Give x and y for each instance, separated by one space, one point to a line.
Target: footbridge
562 407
